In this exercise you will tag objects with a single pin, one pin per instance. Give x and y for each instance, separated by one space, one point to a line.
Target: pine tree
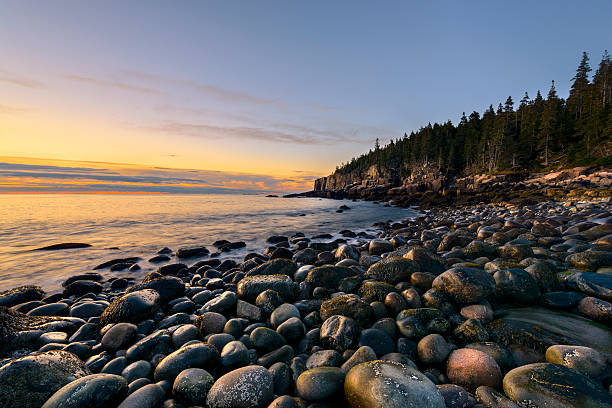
580 86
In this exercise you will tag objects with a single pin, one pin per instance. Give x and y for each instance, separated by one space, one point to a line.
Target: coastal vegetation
536 134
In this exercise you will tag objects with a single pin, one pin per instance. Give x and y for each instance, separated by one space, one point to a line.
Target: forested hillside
537 133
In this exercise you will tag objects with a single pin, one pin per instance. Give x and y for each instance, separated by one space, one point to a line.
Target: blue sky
269 87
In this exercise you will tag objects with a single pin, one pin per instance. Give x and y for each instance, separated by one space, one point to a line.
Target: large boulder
328 276
277 266
168 287
392 269
349 306
389 384
465 285
246 387
132 308
29 381
92 391
251 286
21 294
554 385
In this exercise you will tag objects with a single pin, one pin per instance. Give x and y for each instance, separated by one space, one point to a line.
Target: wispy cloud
112 84
26 177
18 80
10 110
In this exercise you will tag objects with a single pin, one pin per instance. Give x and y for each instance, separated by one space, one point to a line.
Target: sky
211 96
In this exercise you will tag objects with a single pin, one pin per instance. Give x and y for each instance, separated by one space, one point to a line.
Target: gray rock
320 383
338 332
192 385
29 381
389 384
266 339
199 355
120 336
465 285
553 385
147 396
246 387
283 313
433 349
92 391
349 306
234 354
516 285
392 269
136 370
132 308
157 342
379 246
584 359
251 286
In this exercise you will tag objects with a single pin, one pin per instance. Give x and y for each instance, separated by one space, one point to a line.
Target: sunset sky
235 96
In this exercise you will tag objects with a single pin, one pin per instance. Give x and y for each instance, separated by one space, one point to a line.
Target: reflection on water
141 225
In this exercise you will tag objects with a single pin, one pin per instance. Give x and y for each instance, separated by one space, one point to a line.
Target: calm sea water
141 225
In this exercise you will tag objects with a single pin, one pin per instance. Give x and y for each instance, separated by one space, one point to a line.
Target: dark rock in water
389 384
170 269
121 266
281 253
465 285
65 245
159 259
349 306
199 355
165 250
192 252
276 239
561 300
320 383
92 391
251 286
591 283
112 262
168 287
81 287
148 396
540 328
29 381
546 384
192 386
89 276
392 269
132 307
274 267
246 387
21 294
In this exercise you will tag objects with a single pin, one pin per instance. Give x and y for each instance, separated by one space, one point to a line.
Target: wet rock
362 355
306 256
561 300
183 253
491 398
455 396
465 285
596 309
392 270
275 267
234 354
375 291
349 306
379 246
168 287
292 329
378 340
199 355
501 355
584 359
482 312
328 276
592 284
590 260
136 370
29 381
92 391
251 286
266 339
132 307
515 251
320 383
120 336
433 349
192 385
246 387
324 358
283 313
516 285
147 396
347 252
81 287
211 323
546 384
155 343
51 309
426 260
338 332
390 384
471 368
221 303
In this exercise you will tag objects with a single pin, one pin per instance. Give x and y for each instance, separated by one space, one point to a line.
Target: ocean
139 225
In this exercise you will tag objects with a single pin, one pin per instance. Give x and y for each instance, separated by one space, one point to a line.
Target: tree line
541 133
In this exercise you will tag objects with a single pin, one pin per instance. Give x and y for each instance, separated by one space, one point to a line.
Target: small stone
472 368
433 349
320 383
192 385
246 387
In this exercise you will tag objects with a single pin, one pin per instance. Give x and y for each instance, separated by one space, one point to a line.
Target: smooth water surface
139 225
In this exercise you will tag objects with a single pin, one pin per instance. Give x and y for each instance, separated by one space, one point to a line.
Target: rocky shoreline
428 188
498 305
